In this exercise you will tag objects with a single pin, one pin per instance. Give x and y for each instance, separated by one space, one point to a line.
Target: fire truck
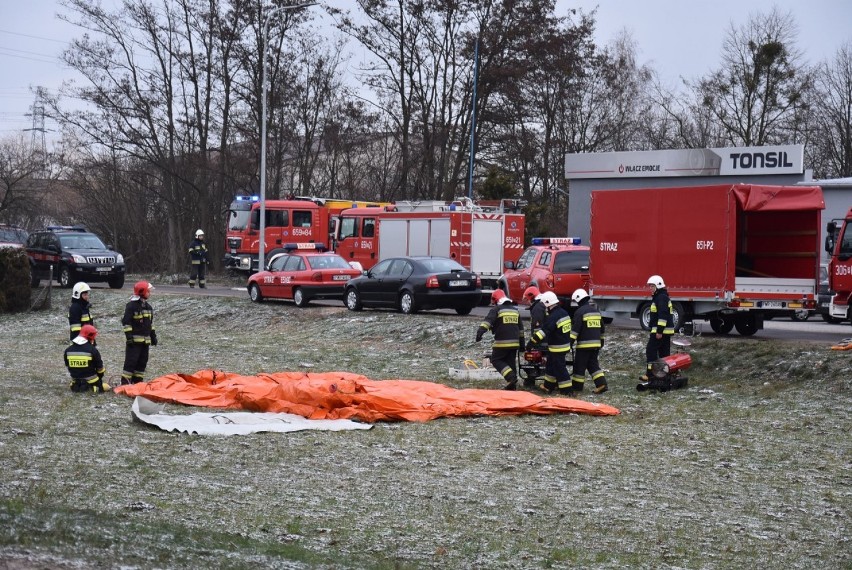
300 219
729 254
838 244
482 236
478 236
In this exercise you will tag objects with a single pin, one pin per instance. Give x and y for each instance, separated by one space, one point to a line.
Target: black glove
479 334
521 341
530 345
153 338
129 337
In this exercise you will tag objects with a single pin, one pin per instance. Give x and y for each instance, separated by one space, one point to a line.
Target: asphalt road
812 330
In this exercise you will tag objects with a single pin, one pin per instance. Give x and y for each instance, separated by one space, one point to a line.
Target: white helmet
656 281
549 299
199 233
579 295
79 289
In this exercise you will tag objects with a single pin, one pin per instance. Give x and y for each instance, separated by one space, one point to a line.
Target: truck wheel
66 280
801 315
254 293
827 318
116 282
721 326
645 316
299 298
746 326
352 299
406 303
463 310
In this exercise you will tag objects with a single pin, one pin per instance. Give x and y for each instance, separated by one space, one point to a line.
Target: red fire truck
481 238
840 266
302 219
729 254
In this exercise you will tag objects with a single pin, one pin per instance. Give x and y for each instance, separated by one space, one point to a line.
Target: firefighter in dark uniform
537 315
537 311
661 323
504 321
84 362
587 336
78 312
198 257
556 330
138 327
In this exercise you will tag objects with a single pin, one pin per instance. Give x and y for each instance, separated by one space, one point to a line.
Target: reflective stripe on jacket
504 320
587 327
661 321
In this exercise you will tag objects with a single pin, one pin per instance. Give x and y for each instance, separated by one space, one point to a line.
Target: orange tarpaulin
342 395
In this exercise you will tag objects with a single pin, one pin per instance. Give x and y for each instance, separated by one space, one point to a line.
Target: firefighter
661 324
198 257
587 338
79 313
504 322
556 329
84 362
537 315
138 327
537 310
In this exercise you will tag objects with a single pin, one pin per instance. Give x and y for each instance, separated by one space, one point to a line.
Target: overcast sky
679 38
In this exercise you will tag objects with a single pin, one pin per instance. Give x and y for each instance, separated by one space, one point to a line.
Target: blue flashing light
556 241
248 198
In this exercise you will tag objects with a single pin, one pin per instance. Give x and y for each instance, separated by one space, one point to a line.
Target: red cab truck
482 239
838 244
729 254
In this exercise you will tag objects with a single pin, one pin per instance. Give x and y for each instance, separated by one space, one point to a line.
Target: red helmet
531 293
142 287
497 295
88 332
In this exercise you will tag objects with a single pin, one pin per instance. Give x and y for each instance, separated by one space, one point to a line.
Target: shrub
14 280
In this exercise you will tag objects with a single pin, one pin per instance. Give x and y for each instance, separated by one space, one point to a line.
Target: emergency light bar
301 245
247 198
556 241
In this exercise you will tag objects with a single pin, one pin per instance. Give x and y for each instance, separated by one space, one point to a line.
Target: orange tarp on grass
342 395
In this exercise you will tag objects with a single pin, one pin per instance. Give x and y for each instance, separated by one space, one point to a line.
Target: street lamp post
264 88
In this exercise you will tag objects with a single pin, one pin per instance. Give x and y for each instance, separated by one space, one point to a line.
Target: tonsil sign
735 161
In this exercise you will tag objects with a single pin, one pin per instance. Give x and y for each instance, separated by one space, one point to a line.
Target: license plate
773 305
340 277
459 283
103 268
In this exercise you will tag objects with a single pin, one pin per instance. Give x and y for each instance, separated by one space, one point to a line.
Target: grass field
749 467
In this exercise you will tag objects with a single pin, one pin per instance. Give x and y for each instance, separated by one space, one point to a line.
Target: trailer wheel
254 293
746 326
645 316
352 299
721 326
406 303
678 315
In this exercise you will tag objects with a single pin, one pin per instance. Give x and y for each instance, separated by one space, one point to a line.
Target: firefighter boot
600 386
529 382
511 381
549 387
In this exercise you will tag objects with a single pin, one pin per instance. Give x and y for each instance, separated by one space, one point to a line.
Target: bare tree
831 147
22 186
756 93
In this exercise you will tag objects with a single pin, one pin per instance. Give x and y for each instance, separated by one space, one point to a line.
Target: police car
303 273
558 264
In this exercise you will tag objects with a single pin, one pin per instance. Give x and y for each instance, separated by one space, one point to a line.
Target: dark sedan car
414 283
